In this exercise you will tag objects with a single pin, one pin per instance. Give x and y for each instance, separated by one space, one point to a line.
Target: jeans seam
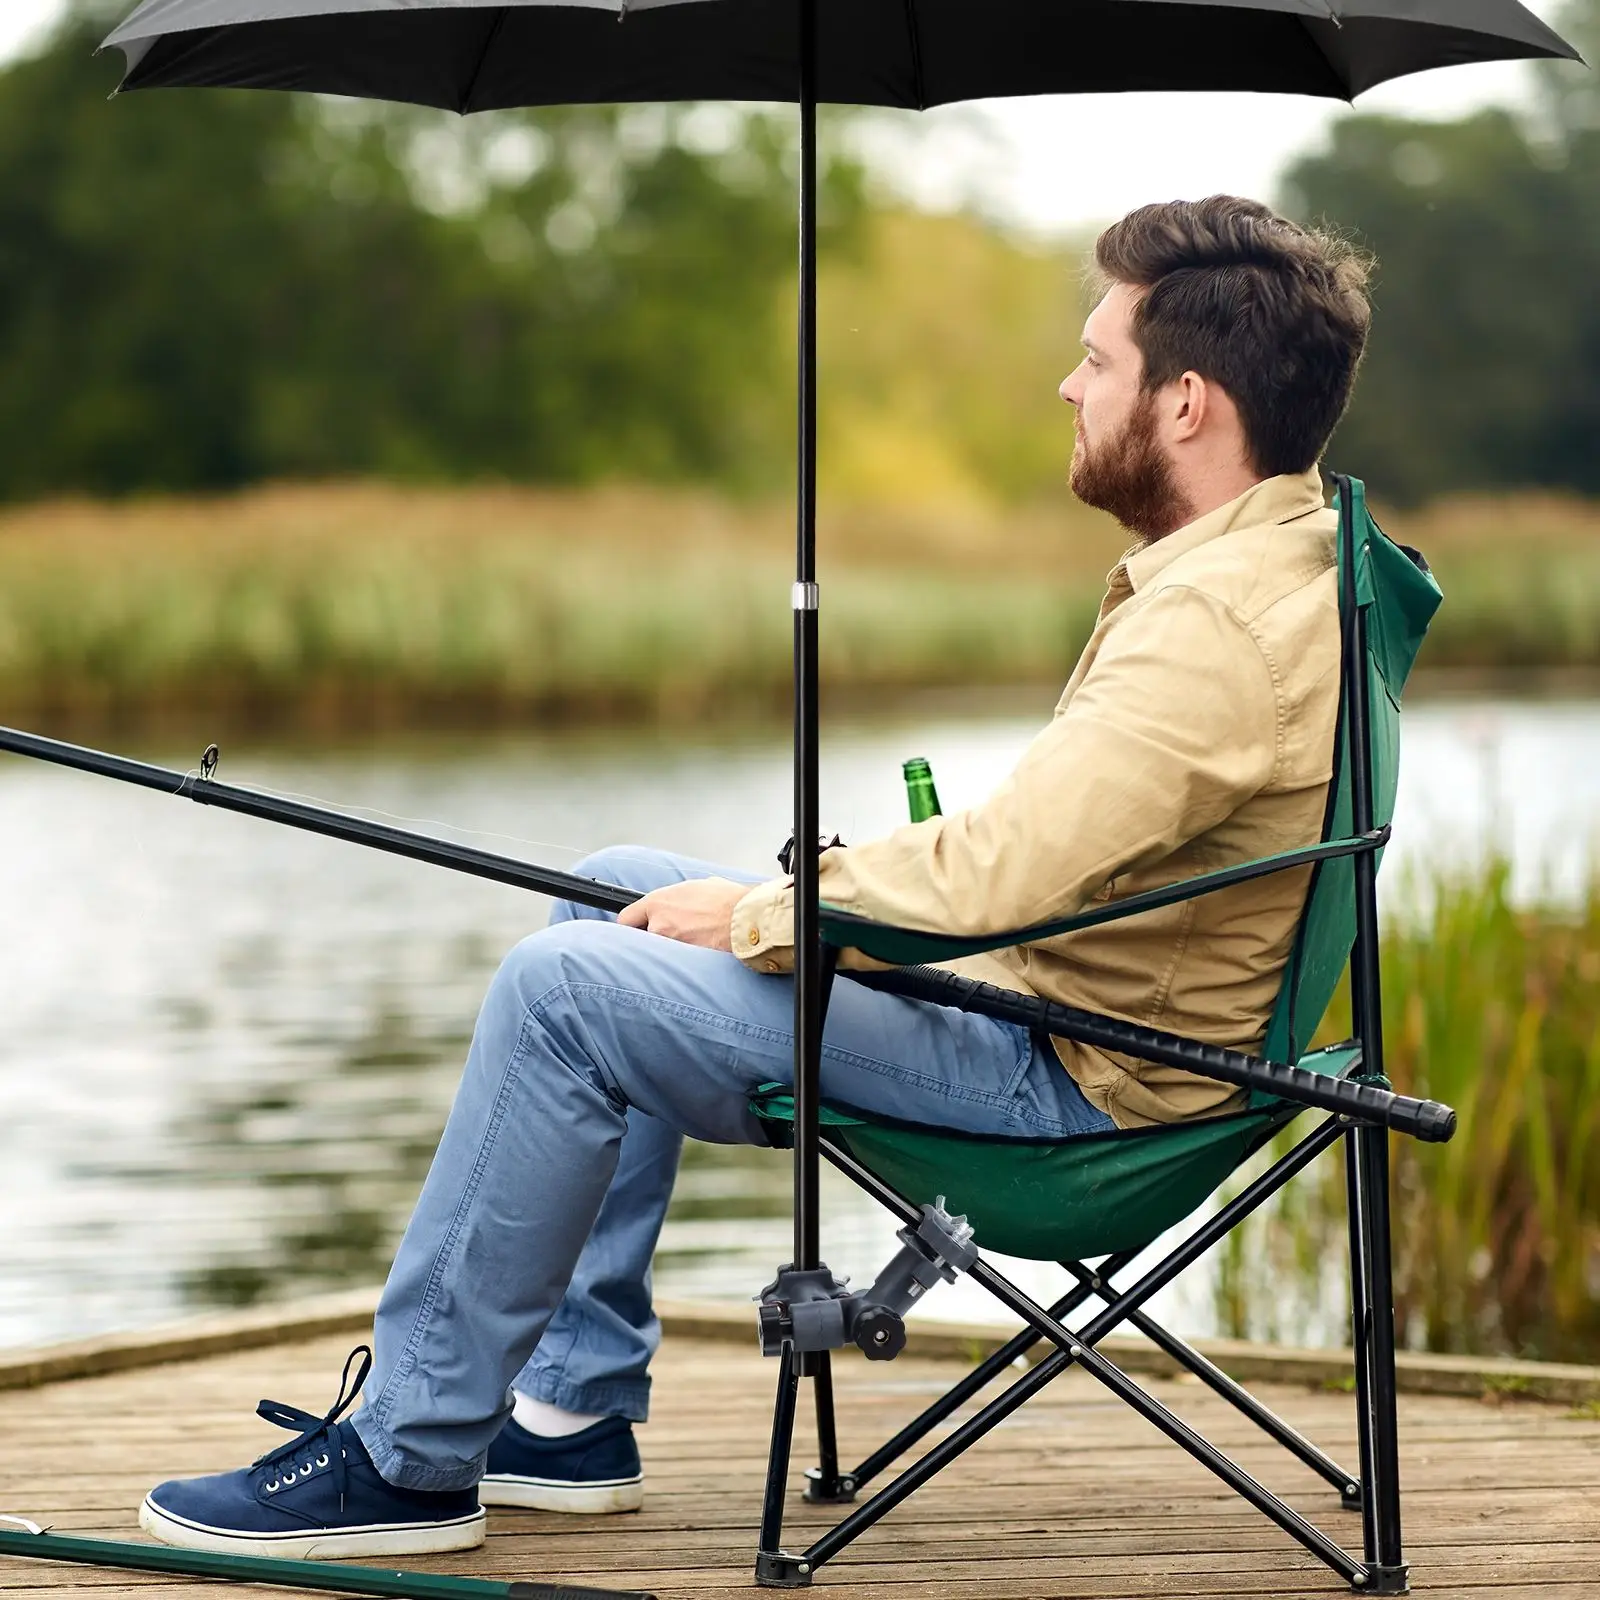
610 1398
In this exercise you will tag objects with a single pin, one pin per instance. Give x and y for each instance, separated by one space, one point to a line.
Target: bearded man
515 1332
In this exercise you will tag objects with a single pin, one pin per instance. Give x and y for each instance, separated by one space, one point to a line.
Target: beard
1129 477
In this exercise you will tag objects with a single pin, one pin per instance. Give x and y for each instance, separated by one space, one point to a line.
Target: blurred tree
942 344
1484 366
199 290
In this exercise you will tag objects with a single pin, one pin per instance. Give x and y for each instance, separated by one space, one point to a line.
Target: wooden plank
703 1321
1076 1498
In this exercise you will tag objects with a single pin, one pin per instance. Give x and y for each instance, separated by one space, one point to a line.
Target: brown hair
1274 313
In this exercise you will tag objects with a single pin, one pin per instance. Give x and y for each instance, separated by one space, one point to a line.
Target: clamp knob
879 1332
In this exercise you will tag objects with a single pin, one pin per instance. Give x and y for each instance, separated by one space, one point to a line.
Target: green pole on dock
340 1578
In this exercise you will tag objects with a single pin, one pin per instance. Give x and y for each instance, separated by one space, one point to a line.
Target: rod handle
1427 1120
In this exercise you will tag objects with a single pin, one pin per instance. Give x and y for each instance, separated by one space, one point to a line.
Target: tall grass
1493 1008
355 603
1521 576
341 603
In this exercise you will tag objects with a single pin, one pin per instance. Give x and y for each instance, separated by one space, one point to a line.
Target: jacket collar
1272 500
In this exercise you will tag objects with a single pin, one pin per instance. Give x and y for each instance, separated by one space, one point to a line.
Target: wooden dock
1075 1497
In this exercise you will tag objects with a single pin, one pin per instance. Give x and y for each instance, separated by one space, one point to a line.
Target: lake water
229 1047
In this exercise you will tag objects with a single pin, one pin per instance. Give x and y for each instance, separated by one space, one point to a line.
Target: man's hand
694 912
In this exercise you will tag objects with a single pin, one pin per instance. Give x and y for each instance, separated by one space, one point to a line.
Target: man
1196 731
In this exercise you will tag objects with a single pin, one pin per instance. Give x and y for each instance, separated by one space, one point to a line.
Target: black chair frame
1364 1110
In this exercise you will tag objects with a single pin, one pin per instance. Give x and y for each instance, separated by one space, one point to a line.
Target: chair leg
775 1567
1372 1294
825 1485
978 1379
1234 1393
1070 1349
1078 1347
1358 1340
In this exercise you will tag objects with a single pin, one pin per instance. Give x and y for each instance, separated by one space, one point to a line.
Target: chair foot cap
1386 1580
778 1569
835 1491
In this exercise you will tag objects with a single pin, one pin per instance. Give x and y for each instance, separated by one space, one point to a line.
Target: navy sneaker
318 1496
589 1473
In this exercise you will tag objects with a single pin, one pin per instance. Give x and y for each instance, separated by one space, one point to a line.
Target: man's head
1222 351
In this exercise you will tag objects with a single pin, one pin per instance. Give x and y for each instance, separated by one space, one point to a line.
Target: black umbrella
920 53
467 56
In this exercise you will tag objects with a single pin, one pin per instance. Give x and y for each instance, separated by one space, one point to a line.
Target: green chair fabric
1058 1199
1066 1199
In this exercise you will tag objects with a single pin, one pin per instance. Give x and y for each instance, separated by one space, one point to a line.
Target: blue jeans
597 1050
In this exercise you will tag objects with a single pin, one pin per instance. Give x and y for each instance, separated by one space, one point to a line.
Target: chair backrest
1397 597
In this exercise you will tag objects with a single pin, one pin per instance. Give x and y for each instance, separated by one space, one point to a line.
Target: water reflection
336 1159
229 1048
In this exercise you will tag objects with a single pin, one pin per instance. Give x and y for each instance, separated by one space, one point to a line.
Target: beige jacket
1196 732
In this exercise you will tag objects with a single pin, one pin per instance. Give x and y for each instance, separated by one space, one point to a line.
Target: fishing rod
42 1544
1423 1119
203 788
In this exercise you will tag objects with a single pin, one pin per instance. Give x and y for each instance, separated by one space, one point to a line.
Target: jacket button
770 965
755 936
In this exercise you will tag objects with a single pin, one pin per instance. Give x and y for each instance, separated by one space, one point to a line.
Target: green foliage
1493 1008
942 345
200 290
348 605
344 602
1484 364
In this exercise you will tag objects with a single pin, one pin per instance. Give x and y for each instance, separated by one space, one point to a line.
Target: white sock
546 1420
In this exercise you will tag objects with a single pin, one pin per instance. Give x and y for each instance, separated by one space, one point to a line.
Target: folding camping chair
1107 1197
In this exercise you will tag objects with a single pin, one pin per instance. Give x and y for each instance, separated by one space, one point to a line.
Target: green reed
576 612
1494 1008
340 603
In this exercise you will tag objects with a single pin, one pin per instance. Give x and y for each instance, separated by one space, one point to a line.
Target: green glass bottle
921 795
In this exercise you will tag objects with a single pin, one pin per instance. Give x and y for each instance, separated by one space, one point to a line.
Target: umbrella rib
1338 22
483 56
916 53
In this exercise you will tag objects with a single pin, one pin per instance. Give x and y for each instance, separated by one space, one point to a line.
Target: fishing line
210 761
345 808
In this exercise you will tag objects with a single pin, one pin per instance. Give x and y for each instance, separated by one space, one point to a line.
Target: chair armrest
1427 1120
884 941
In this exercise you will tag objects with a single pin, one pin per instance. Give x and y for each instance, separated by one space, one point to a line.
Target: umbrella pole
807 823
812 967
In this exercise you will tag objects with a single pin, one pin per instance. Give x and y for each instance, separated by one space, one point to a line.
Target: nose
1071 389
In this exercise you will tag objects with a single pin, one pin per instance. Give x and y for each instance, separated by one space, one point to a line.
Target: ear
1191 406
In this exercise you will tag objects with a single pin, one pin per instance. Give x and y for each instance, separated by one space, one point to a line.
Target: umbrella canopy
914 53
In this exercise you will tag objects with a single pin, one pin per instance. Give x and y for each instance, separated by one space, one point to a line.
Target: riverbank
342 607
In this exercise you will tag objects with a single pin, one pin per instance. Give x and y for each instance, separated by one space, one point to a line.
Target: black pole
807 823
775 1568
823 1484
1381 1508
1358 1341
316 819
1221 1384
980 1377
